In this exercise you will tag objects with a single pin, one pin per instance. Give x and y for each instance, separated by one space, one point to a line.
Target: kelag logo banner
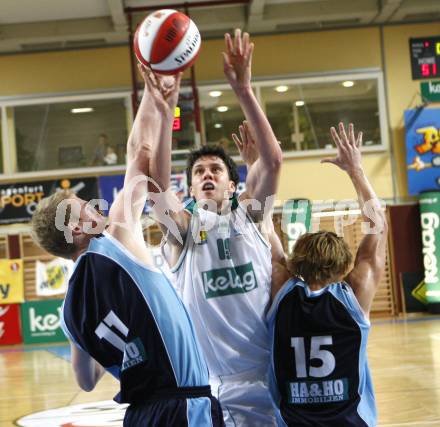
41 321
430 221
423 149
11 281
18 201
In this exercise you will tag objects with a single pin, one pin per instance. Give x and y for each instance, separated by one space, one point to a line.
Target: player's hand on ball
164 89
237 60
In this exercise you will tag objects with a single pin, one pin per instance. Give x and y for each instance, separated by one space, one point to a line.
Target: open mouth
208 186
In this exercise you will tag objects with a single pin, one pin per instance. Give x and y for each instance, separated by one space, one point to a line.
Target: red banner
10 330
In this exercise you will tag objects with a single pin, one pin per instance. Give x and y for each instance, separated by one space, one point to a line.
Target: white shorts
245 399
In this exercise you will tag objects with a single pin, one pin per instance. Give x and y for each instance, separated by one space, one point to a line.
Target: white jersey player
221 260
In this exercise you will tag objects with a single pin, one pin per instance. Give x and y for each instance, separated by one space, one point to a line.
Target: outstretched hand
349 155
246 146
237 60
164 90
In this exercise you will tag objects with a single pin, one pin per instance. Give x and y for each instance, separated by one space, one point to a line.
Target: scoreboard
425 57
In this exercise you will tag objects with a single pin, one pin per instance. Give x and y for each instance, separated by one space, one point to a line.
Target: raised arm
370 258
126 211
167 209
263 175
249 155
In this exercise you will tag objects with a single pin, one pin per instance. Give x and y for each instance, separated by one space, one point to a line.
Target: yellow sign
11 281
437 48
431 140
419 292
51 278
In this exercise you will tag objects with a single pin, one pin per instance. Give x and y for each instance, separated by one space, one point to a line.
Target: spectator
100 150
111 158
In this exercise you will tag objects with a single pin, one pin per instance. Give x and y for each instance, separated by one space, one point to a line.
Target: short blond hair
320 257
44 230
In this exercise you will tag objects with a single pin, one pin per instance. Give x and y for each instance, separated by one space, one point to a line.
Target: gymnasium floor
404 357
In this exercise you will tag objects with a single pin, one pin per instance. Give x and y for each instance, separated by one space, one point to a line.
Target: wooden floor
404 356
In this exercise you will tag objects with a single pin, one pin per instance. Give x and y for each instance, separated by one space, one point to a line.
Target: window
301 111
89 130
302 114
3 143
222 115
70 134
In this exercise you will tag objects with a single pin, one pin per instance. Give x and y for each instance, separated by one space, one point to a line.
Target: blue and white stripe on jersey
170 315
344 294
168 311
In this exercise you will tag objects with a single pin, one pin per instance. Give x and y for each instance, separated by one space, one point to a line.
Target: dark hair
212 150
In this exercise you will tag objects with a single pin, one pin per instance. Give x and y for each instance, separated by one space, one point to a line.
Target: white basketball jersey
224 279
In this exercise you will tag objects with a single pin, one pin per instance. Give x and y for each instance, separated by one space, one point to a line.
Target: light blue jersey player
120 313
319 320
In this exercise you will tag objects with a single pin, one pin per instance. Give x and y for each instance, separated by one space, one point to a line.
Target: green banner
430 91
41 321
296 220
430 220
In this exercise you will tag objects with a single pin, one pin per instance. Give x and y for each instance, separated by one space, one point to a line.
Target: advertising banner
110 186
11 281
414 290
430 91
10 331
51 278
430 219
296 220
423 149
18 201
40 321
242 174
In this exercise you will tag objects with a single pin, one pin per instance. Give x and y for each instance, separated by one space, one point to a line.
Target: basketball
167 41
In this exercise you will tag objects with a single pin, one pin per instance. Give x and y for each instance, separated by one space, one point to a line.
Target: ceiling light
215 93
218 125
222 108
348 83
299 103
282 88
81 110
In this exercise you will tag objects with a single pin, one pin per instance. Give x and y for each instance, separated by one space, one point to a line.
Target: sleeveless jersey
319 374
128 317
223 276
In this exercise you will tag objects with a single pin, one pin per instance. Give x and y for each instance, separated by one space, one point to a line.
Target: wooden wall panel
3 247
31 253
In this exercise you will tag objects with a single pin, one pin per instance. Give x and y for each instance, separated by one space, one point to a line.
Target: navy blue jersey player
319 320
120 313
